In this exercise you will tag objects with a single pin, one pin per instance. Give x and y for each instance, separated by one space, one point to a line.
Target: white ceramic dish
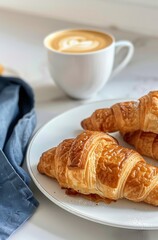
122 213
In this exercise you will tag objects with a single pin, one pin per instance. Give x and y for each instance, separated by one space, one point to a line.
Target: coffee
79 41
76 64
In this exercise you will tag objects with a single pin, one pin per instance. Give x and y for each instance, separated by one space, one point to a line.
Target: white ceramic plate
122 213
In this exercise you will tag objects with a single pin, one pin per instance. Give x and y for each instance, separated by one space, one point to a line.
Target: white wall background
134 15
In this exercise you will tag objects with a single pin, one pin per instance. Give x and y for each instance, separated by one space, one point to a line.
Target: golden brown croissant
126 116
94 163
146 143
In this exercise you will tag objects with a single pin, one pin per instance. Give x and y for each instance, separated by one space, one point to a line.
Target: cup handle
119 45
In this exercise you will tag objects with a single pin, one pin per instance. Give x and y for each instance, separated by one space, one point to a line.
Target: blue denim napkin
17 122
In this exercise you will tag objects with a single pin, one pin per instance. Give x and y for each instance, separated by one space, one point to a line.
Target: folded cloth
17 122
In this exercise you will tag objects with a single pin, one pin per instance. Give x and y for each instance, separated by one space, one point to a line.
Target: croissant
146 143
94 163
126 116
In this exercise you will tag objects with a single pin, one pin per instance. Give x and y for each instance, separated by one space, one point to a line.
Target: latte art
80 41
77 43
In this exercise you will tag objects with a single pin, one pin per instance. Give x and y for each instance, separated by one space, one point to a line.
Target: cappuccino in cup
80 41
81 60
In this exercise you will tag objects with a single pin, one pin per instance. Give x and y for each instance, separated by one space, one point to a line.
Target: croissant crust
146 143
94 163
126 116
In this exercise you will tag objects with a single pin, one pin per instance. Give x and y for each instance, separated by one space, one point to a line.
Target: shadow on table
45 93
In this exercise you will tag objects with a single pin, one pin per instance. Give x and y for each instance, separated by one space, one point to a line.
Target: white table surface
21 48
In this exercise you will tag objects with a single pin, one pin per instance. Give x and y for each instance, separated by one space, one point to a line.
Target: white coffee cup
82 75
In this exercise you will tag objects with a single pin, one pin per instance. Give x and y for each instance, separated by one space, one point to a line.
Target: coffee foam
79 41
